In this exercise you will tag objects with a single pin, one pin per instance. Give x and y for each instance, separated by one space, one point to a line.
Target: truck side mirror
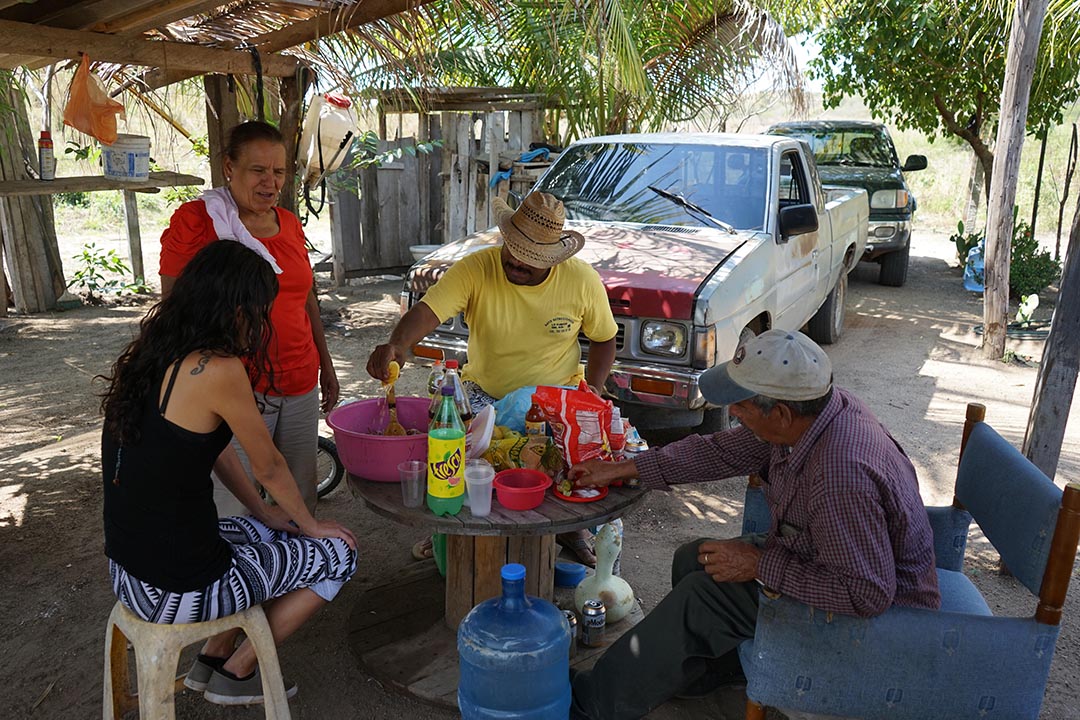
914 162
797 220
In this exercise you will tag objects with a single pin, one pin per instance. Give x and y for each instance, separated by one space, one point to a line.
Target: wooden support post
131 215
1024 38
292 99
222 116
1056 382
26 223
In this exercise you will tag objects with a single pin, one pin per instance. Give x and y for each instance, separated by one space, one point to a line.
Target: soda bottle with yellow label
446 458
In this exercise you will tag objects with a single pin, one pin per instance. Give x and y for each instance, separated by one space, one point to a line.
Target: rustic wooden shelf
93 183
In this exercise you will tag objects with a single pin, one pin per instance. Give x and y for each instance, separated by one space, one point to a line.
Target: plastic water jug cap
338 100
513 571
452 364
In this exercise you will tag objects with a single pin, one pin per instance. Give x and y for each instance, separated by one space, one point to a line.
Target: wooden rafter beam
305 31
132 23
159 15
40 41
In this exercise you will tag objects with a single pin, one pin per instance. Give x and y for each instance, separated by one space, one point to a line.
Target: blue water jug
514 655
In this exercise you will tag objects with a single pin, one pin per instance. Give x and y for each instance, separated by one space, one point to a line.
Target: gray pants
293 422
694 632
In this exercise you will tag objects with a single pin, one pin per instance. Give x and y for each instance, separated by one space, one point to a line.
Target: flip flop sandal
581 549
423 550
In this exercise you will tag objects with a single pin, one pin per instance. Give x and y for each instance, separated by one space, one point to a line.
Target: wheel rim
326 469
838 305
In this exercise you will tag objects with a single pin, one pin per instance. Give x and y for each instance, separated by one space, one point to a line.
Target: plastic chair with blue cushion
958 662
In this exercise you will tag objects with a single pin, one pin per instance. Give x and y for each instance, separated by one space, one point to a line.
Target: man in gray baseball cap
849 531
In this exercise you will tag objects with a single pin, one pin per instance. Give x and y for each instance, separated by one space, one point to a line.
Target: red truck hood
648 271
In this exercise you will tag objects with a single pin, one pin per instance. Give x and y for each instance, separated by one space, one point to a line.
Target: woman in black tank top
174 400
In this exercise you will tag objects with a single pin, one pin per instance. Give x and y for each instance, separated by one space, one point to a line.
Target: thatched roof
179 39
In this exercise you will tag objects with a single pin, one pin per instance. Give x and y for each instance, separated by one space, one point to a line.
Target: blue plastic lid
513 571
569 574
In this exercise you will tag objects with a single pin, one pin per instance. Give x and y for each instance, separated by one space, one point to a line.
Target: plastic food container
127 159
376 457
569 574
521 488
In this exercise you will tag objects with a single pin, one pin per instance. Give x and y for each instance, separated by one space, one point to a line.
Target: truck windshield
864 147
612 182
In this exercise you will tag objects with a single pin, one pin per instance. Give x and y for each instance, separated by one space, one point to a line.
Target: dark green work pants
694 631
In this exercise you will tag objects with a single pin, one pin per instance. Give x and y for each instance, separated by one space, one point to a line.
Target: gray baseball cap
781 364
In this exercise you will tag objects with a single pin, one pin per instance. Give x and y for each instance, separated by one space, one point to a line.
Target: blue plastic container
514 655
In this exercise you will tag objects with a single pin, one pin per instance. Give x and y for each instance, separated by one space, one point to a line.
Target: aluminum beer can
593 622
571 620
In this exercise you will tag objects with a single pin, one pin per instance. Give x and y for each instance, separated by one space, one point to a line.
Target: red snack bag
579 420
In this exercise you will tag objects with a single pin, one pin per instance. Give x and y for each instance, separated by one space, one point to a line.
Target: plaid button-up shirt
849 531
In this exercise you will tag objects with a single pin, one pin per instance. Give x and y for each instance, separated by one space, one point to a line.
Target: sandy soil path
909 352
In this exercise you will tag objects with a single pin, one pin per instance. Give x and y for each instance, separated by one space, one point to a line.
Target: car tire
827 325
894 268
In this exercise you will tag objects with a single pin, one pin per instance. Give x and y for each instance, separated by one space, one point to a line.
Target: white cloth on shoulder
222 209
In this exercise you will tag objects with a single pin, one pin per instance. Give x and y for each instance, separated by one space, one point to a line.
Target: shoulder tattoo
204 358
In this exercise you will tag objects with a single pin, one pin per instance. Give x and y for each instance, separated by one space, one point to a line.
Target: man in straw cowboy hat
525 302
849 534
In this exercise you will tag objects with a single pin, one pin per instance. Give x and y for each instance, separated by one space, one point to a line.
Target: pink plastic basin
376 457
521 488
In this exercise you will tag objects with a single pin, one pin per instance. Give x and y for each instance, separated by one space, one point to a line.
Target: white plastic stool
157 652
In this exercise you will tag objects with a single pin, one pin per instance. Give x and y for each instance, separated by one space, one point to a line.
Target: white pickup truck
699 239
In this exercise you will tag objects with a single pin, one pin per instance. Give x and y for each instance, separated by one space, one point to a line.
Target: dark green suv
861 154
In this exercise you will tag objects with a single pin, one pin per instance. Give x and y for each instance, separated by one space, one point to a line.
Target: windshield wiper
683 202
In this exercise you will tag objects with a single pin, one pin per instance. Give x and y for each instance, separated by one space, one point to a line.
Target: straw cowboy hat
534 232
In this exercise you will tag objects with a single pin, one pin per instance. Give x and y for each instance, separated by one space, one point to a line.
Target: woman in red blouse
246 211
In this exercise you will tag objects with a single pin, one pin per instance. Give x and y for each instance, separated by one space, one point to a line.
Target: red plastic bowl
376 457
520 488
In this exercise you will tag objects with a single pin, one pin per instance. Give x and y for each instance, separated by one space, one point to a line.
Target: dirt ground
910 352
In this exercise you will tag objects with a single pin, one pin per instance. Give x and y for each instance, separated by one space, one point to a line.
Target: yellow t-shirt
523 335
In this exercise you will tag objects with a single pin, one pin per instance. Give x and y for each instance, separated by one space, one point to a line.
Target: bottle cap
452 364
46 135
513 571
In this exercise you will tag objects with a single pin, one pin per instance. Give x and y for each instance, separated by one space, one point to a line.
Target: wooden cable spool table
404 632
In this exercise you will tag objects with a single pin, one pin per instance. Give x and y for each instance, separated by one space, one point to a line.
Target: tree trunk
976 181
26 222
1019 68
1060 363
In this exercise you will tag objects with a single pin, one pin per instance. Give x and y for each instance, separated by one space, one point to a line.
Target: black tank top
160 518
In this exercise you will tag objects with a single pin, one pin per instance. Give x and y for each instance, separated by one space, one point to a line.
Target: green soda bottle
446 457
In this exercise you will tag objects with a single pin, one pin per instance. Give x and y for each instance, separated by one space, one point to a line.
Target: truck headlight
663 338
889 199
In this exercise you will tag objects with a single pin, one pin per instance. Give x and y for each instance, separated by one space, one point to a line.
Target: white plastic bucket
127 159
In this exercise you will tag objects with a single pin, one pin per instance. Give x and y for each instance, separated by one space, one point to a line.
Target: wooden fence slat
408 212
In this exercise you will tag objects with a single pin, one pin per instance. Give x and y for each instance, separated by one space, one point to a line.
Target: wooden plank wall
428 199
478 142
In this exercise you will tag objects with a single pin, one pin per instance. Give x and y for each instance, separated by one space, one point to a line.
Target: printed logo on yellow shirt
559 325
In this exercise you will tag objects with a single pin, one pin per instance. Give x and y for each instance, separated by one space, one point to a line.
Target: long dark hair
220 303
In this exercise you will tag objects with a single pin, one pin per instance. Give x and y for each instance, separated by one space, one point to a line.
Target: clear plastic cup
413 476
479 478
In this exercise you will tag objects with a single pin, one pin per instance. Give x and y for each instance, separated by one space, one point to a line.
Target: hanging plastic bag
89 108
